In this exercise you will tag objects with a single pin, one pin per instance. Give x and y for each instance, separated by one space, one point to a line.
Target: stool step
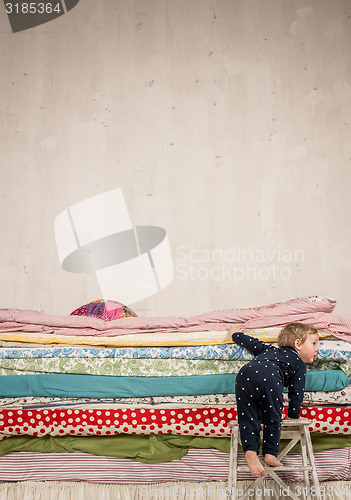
296 431
242 468
285 422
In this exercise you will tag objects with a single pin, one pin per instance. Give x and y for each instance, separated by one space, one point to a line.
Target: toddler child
260 384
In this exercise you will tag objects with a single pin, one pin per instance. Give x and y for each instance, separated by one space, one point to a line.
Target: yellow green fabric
146 449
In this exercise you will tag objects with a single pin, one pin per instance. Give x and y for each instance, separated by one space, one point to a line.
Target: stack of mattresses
138 400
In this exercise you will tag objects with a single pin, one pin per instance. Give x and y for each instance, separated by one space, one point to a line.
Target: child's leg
272 460
271 416
248 420
255 466
250 428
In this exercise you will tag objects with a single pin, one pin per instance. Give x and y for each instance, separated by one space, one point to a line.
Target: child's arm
296 391
253 345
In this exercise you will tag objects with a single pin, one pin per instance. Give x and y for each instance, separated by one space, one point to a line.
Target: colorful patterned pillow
104 309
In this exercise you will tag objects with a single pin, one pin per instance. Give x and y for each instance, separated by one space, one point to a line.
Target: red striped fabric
197 465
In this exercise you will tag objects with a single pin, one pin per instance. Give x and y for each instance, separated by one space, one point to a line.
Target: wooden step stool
295 430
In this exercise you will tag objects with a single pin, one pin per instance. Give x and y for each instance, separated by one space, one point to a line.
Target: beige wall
226 122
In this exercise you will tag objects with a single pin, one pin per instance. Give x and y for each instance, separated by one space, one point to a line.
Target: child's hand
232 329
299 418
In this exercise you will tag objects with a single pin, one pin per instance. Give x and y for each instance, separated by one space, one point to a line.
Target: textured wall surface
225 122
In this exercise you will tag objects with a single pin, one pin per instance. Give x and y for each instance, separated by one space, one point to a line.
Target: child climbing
260 384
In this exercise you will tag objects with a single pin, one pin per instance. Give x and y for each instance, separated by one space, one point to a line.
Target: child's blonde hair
289 333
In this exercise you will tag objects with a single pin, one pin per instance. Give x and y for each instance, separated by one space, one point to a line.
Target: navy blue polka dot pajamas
259 388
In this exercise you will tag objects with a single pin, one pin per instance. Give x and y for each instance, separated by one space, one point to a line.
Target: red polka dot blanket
182 421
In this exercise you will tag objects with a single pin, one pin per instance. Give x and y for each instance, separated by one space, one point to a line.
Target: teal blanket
103 386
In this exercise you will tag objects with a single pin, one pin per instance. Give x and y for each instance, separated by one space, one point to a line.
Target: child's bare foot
255 466
272 460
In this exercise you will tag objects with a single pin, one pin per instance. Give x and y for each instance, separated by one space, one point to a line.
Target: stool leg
235 481
233 464
318 495
230 470
305 463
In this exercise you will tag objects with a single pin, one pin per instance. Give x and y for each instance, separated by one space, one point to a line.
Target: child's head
303 338
295 331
